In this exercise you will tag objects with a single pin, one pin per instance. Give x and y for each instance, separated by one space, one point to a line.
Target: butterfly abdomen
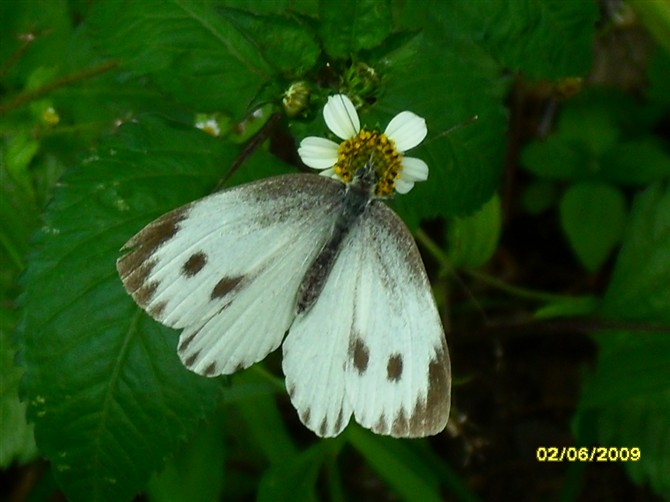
353 205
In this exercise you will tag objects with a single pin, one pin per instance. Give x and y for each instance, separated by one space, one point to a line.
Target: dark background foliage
545 226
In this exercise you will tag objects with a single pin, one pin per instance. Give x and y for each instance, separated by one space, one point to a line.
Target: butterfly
319 263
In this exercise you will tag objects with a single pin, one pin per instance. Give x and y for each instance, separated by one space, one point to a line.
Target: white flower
384 152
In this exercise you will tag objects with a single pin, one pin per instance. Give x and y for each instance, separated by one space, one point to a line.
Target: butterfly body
357 197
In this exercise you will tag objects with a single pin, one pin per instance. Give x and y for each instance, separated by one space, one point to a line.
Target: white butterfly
324 261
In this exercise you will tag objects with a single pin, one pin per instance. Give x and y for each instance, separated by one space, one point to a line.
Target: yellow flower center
377 150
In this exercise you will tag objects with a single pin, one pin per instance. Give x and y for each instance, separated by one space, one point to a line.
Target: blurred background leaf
97 107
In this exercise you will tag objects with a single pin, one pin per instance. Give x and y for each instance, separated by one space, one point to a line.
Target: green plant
97 118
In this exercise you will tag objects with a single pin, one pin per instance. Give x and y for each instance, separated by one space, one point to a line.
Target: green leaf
640 285
51 25
404 471
657 75
17 442
654 15
190 50
464 155
296 478
584 133
473 239
636 162
349 27
196 472
556 159
18 155
593 217
18 214
540 38
264 422
570 307
626 402
538 196
285 43
108 395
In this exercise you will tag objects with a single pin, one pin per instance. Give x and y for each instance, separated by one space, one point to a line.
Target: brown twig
28 96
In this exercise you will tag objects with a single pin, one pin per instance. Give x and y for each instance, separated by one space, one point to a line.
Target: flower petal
318 153
406 130
402 186
341 116
329 173
414 169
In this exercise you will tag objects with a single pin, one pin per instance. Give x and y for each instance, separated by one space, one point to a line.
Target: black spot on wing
431 412
380 426
225 286
135 279
191 360
144 294
338 421
210 370
394 368
305 416
156 310
359 354
145 243
183 344
194 264
400 426
323 429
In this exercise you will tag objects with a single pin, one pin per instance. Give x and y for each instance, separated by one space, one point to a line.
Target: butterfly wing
226 268
373 343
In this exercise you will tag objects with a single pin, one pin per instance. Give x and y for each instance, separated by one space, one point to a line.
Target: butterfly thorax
375 156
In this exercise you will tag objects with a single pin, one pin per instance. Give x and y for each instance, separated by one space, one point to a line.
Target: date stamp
587 454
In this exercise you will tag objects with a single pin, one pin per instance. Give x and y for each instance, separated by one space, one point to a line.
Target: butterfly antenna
251 146
465 123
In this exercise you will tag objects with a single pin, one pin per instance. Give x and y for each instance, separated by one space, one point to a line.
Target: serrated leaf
626 402
473 239
448 83
540 38
108 395
640 285
593 216
50 24
285 42
188 48
17 442
348 27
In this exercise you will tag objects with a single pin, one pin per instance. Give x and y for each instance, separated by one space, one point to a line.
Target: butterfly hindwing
398 372
373 343
226 267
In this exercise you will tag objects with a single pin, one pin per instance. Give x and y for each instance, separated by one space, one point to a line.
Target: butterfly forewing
373 343
226 268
